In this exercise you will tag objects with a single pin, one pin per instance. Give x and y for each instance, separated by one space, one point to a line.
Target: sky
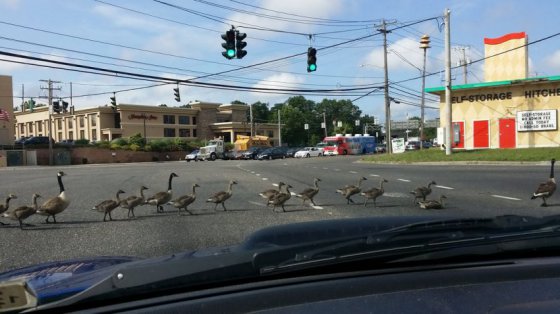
181 40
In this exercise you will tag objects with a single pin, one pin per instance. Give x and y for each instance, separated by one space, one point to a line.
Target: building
6 111
509 109
202 121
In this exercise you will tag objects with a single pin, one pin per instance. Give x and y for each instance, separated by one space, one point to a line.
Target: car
66 143
380 148
412 145
192 155
252 152
21 140
309 152
426 144
38 140
291 151
271 153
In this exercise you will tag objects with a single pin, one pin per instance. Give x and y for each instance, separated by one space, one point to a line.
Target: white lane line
396 194
336 169
258 174
352 171
374 175
316 207
255 203
265 179
324 168
275 184
403 180
506 197
444 187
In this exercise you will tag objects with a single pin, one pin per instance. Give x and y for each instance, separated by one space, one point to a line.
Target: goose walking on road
309 193
57 204
222 196
4 207
161 198
133 201
108 206
546 189
281 198
433 204
350 190
23 212
268 194
422 192
185 200
374 193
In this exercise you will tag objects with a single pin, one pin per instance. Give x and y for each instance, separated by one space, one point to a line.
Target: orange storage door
480 134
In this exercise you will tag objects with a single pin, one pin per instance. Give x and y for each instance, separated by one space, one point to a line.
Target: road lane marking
336 169
402 195
403 180
256 203
374 175
316 207
258 174
265 179
506 197
444 187
352 171
275 184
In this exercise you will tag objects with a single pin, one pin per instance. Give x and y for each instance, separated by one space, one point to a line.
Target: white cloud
10 4
121 19
288 80
553 61
405 48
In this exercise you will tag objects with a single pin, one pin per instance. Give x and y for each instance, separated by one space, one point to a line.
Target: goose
309 193
433 204
4 207
161 198
133 201
222 196
57 204
280 198
185 200
272 192
374 193
546 189
107 206
349 190
422 192
23 212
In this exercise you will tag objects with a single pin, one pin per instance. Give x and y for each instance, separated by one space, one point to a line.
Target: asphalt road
472 190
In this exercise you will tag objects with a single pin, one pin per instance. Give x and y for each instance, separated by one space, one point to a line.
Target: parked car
66 143
426 144
292 151
21 140
38 140
412 145
192 155
252 152
271 153
380 148
309 152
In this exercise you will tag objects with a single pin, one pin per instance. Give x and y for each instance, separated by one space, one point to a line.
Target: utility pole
22 98
251 119
446 15
384 30
50 88
325 122
463 61
424 45
279 130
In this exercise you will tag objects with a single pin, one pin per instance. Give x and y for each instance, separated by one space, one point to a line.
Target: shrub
103 144
119 141
134 147
148 148
137 139
81 142
125 147
115 146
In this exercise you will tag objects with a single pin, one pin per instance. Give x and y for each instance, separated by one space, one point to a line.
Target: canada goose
374 193
422 192
161 198
57 204
309 193
222 196
4 207
107 206
23 212
546 189
433 204
280 198
185 200
272 192
133 201
350 190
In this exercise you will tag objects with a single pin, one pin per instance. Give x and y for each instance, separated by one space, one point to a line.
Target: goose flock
274 198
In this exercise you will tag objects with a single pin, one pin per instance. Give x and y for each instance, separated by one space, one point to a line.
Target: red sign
142 117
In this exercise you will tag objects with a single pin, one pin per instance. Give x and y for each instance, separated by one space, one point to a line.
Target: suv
38 140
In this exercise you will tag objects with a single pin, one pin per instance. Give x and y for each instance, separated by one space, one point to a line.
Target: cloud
553 61
10 4
404 54
122 19
288 81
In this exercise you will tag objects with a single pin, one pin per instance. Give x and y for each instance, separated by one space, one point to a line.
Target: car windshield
138 130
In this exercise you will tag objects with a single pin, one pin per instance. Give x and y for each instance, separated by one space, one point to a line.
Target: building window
270 133
93 135
82 134
184 132
31 127
59 136
93 120
81 122
194 121
71 135
59 124
183 119
194 132
21 128
168 132
168 119
70 123
40 126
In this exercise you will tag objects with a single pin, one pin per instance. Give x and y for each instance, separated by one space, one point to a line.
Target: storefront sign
398 145
141 117
536 120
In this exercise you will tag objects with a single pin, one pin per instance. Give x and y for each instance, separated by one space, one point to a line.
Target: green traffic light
312 67
231 53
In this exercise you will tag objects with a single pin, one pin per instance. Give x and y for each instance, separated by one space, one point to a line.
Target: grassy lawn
436 155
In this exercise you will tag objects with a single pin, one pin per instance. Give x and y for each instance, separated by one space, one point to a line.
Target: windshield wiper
414 239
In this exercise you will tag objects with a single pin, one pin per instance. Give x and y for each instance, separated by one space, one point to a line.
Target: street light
424 45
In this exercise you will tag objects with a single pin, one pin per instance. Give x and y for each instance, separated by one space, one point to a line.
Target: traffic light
177 94
114 101
229 44
56 106
311 59
64 106
240 44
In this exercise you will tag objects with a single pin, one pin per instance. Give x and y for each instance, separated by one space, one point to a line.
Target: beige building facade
6 111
